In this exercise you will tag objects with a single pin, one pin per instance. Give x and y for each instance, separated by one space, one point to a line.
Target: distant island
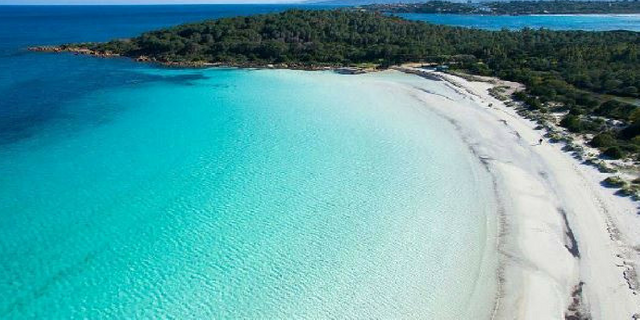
511 7
585 73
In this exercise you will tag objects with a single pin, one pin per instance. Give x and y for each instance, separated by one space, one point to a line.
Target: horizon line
158 4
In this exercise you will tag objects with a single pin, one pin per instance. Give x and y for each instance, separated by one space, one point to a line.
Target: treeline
512 7
561 69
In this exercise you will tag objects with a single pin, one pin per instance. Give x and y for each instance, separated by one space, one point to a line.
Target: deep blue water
56 78
34 86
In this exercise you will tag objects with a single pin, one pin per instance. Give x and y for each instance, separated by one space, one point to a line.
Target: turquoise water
554 22
246 194
133 191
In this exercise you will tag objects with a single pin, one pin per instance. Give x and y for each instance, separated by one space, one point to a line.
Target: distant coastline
637 14
514 8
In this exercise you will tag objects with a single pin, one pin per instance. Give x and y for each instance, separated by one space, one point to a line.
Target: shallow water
588 22
130 190
241 193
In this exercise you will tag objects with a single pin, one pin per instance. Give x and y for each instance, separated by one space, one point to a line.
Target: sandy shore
569 247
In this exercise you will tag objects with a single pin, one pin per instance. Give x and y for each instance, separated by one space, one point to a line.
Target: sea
585 22
131 190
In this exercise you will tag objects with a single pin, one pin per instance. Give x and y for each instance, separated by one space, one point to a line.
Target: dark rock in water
577 310
349 70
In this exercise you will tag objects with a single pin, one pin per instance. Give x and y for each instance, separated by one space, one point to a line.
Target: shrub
533 103
613 153
591 125
572 123
614 182
615 109
603 140
519 95
573 110
629 191
553 137
604 168
631 131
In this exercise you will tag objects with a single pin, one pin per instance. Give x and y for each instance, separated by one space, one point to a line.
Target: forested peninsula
577 71
512 7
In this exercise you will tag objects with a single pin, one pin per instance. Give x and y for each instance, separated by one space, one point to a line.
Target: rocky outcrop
75 50
80 50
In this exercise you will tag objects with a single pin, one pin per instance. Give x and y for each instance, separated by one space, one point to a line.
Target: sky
95 2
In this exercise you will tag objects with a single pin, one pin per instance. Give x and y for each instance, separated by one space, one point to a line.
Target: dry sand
568 245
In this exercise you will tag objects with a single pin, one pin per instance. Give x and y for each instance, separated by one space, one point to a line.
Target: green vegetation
573 71
625 189
614 182
603 140
614 152
512 7
632 191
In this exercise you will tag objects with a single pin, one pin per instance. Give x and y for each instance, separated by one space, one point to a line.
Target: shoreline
568 247
200 64
631 14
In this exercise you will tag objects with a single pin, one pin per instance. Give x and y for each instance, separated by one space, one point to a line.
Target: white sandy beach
559 226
